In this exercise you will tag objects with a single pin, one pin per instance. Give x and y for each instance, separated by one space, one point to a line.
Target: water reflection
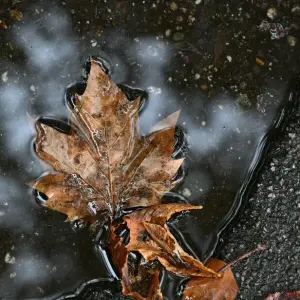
222 140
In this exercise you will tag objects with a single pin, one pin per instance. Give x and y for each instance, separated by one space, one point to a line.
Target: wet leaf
288 295
224 288
150 236
151 246
104 164
141 278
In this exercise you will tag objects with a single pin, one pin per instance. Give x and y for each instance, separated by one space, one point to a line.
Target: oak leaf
104 164
224 288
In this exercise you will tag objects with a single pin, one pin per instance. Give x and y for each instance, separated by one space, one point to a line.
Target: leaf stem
260 247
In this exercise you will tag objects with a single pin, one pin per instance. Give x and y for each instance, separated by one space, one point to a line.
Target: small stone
198 2
272 13
186 193
191 19
13 275
173 6
154 90
32 88
9 259
178 36
168 32
203 123
243 101
4 76
93 43
229 58
296 8
291 40
292 135
197 76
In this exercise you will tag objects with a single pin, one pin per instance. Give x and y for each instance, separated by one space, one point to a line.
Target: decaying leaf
104 164
149 235
149 247
288 295
224 288
140 278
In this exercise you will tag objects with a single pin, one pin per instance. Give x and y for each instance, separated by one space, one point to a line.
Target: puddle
222 134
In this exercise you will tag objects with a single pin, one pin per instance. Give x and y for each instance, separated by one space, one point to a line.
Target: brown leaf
224 288
117 246
149 235
104 164
288 295
140 279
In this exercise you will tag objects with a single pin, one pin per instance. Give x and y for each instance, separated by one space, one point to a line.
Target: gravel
271 215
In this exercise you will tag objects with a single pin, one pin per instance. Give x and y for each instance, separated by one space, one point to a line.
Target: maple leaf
224 288
104 164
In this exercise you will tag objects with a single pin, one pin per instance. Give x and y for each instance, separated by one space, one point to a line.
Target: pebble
243 101
197 76
9 259
93 43
4 76
272 13
173 6
32 88
186 193
292 135
291 40
168 32
229 58
178 36
13 275
198 2
154 90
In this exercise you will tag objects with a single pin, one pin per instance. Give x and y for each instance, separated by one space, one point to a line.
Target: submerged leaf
104 164
149 235
224 288
141 278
